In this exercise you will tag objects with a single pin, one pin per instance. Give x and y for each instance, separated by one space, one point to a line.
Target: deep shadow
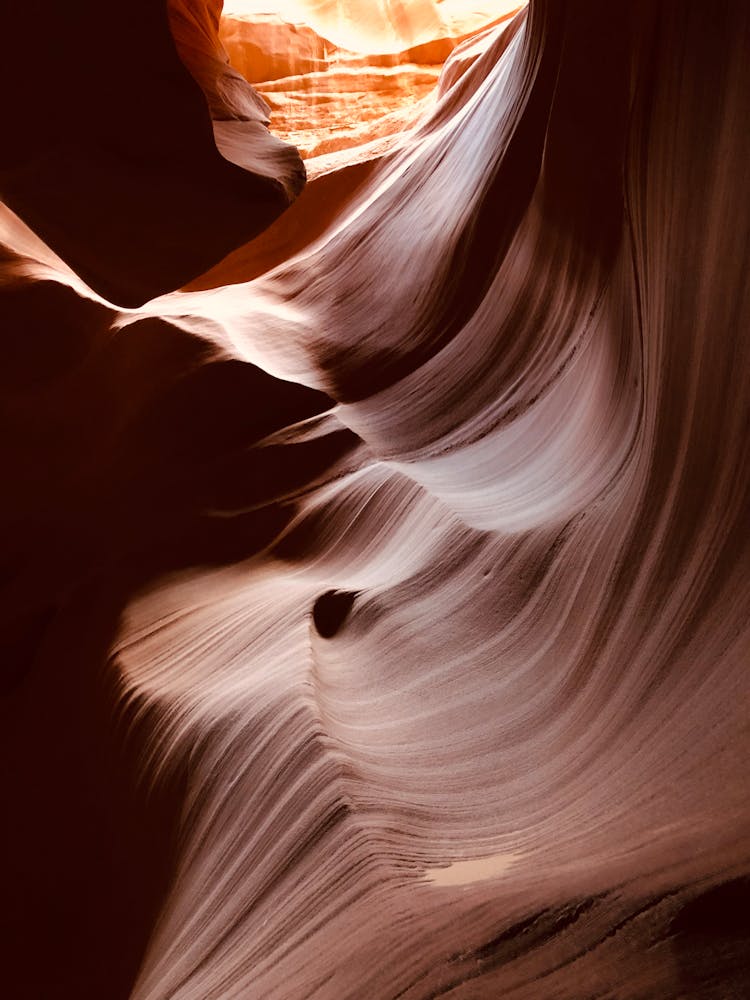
116 462
712 943
108 150
330 611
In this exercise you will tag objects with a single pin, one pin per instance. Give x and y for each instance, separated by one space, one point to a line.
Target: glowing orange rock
338 74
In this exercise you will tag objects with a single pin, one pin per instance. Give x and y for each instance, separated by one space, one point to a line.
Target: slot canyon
375 529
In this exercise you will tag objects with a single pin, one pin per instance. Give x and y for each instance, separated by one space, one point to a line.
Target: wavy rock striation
421 532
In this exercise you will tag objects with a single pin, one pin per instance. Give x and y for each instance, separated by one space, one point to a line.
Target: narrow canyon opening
340 73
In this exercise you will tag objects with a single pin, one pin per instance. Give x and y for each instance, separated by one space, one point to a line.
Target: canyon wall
396 567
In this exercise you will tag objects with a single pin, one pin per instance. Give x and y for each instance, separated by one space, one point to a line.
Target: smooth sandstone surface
376 602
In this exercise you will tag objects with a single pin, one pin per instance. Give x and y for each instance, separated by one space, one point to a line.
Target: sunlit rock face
381 26
376 605
338 74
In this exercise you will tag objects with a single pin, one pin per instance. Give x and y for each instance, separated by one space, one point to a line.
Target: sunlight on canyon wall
377 584
378 27
336 75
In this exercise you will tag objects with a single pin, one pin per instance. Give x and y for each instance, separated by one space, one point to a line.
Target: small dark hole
330 611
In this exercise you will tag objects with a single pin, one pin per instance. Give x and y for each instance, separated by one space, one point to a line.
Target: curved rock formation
109 151
414 541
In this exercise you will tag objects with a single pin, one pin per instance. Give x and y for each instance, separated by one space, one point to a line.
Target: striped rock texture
380 600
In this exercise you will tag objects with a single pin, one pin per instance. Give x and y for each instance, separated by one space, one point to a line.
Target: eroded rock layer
338 75
413 538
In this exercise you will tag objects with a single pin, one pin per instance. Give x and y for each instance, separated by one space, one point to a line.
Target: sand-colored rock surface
376 608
